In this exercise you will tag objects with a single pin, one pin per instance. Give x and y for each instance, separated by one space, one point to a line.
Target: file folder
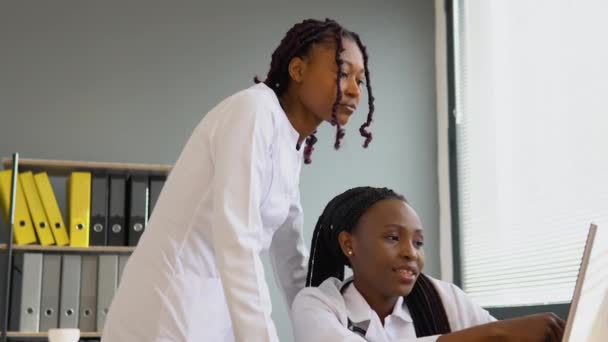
2 299
51 208
23 232
98 235
69 299
117 233
79 208
88 294
107 280
122 262
156 185
34 204
26 287
51 282
138 208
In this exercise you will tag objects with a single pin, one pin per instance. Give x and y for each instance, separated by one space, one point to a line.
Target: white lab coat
321 314
233 193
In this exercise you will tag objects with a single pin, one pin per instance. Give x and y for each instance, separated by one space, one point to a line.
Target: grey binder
156 185
70 291
25 298
138 208
51 281
117 222
98 233
122 261
87 321
107 279
3 269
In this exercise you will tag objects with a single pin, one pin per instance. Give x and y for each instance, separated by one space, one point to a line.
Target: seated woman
379 236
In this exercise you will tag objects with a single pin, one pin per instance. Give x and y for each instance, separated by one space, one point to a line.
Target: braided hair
297 43
327 259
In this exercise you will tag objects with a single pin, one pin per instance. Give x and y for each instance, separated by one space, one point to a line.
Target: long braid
339 130
310 142
426 309
370 97
327 259
297 43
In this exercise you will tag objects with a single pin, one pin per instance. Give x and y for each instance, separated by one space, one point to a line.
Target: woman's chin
342 118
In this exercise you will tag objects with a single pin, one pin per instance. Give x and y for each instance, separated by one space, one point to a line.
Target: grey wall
127 81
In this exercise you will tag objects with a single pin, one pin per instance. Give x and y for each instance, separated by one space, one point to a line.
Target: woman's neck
300 118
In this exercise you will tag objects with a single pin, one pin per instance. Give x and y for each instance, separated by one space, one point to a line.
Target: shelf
64 249
65 167
16 334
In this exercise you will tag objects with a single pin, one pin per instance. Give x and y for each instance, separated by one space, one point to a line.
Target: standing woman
234 192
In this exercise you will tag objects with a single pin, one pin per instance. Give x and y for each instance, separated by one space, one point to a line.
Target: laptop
588 315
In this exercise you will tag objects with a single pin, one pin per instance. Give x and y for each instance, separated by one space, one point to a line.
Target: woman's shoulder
257 103
255 98
446 288
456 300
325 296
462 311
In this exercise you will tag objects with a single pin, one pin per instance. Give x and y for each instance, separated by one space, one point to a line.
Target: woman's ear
346 243
296 68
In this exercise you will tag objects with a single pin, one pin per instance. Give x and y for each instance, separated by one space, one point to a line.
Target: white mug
64 335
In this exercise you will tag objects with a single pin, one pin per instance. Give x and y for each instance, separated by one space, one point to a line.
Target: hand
545 327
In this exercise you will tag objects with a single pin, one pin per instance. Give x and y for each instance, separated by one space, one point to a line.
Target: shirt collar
294 135
359 311
402 311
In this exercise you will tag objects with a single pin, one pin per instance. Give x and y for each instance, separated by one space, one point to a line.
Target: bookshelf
66 249
64 167
59 168
43 336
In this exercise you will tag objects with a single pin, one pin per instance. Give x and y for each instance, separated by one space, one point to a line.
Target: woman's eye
419 243
393 237
342 74
360 83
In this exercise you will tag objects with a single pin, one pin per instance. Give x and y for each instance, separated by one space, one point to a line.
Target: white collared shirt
233 193
321 314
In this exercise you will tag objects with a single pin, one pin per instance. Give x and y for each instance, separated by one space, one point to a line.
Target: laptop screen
588 318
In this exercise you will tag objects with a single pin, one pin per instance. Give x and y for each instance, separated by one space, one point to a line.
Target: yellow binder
79 203
23 232
39 219
51 208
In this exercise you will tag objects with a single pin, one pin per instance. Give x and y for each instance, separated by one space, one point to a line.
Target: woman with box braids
297 43
233 193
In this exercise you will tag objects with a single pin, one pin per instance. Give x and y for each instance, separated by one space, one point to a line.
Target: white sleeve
462 312
314 320
240 144
288 253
